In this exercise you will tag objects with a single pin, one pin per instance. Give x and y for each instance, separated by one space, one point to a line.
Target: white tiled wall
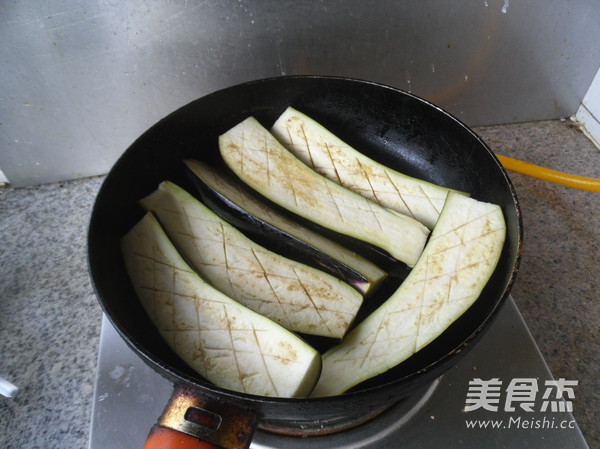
589 112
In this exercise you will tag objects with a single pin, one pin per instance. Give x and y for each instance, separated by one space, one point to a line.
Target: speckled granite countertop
50 320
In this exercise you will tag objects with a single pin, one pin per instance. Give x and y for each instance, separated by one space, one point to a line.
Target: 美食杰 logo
522 398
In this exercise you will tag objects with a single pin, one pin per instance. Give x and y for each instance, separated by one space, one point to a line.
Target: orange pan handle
163 438
192 421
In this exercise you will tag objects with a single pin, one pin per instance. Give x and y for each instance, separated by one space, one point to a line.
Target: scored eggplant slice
328 155
257 158
225 342
457 262
227 197
298 297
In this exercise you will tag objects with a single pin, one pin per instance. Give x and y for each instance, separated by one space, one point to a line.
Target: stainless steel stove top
130 396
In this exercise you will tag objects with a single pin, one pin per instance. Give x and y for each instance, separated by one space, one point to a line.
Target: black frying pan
391 126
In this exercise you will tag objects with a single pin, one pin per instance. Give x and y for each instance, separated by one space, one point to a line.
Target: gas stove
501 394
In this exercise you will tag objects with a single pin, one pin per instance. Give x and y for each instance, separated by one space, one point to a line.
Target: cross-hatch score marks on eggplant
197 311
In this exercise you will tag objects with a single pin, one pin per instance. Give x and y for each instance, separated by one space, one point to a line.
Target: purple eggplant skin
275 239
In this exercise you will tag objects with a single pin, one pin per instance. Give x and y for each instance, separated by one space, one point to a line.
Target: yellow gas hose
558 177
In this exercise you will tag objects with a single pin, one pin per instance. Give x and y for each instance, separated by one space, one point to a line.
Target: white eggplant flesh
458 261
232 191
225 342
328 155
254 154
298 297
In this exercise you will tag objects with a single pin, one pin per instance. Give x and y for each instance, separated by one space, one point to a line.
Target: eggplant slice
458 261
229 198
331 157
225 342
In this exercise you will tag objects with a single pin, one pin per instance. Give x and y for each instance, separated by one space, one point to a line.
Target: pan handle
192 421
163 438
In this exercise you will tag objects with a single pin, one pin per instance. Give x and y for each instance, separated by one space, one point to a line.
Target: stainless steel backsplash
82 79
